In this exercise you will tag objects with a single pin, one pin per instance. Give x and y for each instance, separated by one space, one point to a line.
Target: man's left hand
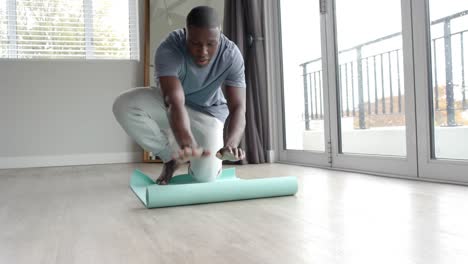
230 153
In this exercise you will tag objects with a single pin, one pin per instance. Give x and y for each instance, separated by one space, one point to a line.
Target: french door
344 93
358 91
441 60
305 124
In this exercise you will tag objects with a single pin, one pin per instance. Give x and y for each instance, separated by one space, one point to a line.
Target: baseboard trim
69 160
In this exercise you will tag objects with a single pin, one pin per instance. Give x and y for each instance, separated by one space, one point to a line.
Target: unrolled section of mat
182 190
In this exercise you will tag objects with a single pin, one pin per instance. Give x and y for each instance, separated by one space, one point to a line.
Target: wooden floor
88 214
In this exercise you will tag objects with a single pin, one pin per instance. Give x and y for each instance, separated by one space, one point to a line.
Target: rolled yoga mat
183 190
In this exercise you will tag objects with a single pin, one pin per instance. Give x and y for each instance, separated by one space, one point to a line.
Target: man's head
203 30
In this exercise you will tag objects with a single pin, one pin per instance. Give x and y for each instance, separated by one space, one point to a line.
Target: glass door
373 113
442 33
305 108
376 86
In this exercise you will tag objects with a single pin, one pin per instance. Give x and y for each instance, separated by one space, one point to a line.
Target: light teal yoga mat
182 190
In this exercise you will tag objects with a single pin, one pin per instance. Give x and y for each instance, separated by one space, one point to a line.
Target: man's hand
185 153
230 154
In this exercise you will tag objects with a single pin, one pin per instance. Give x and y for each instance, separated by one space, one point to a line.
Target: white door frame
384 165
455 171
273 37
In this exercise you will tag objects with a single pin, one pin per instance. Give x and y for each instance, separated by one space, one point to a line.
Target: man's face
202 43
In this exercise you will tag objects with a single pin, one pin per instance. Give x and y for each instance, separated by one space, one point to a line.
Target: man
183 118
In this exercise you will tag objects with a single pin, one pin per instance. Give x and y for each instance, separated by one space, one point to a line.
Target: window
58 29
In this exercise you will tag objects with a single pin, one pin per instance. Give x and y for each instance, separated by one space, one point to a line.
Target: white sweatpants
142 114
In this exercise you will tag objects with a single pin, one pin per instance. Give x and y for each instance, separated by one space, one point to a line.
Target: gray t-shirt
202 85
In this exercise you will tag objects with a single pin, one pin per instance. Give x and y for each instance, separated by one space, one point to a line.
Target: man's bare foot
167 172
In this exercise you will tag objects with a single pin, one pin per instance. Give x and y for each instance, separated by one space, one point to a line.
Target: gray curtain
243 24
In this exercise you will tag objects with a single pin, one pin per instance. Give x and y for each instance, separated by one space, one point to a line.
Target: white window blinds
76 29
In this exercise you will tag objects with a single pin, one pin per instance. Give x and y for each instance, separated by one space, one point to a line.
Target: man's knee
121 104
126 100
205 170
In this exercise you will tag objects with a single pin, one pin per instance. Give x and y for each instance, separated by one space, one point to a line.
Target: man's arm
235 124
174 100
236 120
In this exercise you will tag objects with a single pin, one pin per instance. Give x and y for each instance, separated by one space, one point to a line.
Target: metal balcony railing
368 85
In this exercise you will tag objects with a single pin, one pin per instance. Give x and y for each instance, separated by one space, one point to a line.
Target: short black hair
203 16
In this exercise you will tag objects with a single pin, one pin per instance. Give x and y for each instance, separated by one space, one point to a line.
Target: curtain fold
243 24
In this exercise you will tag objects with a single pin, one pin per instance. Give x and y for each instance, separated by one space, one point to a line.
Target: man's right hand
185 153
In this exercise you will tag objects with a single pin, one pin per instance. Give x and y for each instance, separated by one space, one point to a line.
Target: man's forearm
180 124
236 126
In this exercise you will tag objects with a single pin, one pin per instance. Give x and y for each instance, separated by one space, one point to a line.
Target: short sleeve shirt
201 85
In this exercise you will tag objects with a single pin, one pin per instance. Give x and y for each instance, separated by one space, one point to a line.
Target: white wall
56 112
